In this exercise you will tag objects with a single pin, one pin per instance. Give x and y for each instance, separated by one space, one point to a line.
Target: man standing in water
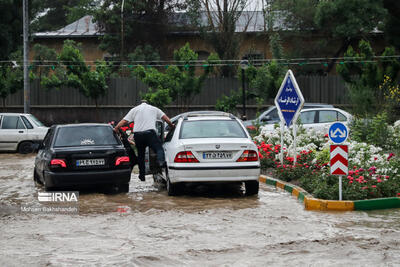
144 117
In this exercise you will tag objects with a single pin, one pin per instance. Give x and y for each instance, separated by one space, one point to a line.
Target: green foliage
178 82
144 22
375 131
144 53
72 71
351 17
363 76
229 103
45 60
11 80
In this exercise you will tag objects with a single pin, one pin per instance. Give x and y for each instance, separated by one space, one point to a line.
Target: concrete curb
311 203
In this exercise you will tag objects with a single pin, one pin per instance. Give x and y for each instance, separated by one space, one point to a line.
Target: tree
72 71
339 22
220 30
364 76
392 22
178 82
11 80
141 22
44 61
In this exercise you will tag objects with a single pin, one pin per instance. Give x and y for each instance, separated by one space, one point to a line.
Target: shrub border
311 203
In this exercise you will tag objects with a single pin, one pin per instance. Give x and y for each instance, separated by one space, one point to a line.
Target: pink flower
365 187
351 172
390 156
351 181
379 181
373 186
398 194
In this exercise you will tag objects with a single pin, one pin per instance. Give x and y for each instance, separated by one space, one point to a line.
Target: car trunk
208 150
90 158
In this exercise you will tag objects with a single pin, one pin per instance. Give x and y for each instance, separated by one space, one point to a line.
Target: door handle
21 131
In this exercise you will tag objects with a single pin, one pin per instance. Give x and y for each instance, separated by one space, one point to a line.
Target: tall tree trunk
345 43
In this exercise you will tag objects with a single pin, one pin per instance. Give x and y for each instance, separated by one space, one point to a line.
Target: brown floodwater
207 226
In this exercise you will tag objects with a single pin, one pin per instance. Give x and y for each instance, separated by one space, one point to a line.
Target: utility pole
122 30
27 91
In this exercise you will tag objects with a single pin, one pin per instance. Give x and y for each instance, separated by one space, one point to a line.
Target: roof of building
249 21
83 27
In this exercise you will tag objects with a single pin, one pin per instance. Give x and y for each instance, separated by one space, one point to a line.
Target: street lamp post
27 93
244 64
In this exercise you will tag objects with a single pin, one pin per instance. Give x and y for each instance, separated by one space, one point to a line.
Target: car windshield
85 136
35 120
212 129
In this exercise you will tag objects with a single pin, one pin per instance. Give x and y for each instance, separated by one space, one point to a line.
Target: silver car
19 131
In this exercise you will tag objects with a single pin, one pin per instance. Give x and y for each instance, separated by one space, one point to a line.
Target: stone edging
311 203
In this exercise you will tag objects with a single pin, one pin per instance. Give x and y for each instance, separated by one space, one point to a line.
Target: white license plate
217 155
90 162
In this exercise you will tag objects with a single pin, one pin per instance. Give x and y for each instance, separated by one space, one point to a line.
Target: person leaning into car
144 133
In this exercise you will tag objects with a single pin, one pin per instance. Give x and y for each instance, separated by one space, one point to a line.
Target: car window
307 117
273 115
27 123
47 138
211 129
341 117
35 120
85 136
169 136
12 122
327 116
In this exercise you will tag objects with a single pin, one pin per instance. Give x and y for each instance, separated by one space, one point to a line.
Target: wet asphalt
207 226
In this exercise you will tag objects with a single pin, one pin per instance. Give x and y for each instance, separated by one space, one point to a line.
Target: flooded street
208 226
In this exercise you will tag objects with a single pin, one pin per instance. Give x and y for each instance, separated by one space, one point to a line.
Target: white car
210 147
19 131
319 119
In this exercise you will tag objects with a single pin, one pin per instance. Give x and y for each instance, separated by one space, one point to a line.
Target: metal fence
69 105
127 91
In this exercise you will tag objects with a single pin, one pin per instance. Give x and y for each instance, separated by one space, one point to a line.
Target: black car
78 155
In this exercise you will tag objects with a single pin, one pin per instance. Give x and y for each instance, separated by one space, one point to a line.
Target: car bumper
55 179
213 174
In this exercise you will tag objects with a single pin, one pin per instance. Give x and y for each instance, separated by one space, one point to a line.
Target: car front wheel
251 187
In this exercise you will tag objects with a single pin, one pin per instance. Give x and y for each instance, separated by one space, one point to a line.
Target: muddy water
208 226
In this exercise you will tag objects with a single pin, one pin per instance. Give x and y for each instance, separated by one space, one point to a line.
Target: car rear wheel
36 177
119 188
25 147
173 189
251 187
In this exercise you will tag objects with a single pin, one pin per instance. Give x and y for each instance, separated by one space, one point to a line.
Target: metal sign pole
295 143
281 156
340 187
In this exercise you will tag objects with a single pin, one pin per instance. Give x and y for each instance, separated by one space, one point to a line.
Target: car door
150 157
43 151
12 131
308 118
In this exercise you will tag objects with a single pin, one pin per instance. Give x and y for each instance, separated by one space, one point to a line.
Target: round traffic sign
338 132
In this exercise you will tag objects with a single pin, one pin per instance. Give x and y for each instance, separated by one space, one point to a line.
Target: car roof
81 124
13 113
204 114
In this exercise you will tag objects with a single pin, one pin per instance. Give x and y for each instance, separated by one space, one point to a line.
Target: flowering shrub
372 172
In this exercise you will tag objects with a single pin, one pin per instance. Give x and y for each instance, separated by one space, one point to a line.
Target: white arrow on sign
341 134
340 165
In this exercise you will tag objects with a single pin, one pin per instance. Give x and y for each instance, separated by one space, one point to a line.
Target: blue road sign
338 132
289 100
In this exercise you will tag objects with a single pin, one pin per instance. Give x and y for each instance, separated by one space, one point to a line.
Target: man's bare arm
120 124
167 120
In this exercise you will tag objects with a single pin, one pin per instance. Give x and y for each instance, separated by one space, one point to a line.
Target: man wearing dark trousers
145 116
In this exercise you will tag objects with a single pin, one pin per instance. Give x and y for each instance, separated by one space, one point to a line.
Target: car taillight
58 163
184 157
248 155
121 160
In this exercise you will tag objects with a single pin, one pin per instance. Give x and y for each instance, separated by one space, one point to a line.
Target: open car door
150 157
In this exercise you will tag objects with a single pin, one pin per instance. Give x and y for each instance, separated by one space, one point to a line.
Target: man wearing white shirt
144 116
